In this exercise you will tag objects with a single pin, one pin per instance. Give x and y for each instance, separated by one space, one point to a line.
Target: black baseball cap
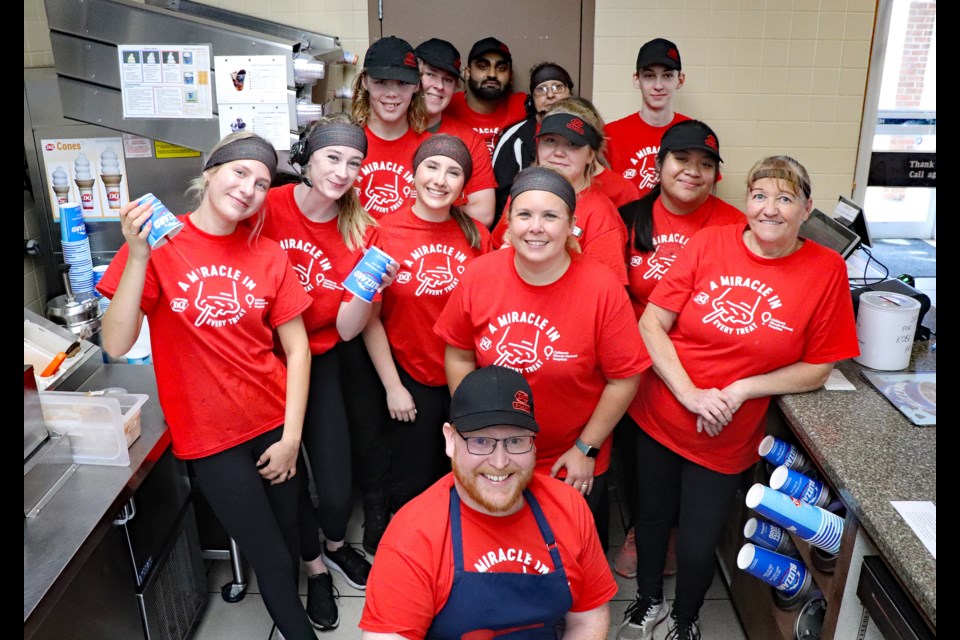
486 45
690 134
492 396
392 58
659 51
440 54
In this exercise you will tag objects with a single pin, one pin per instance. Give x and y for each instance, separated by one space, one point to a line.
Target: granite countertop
58 541
872 454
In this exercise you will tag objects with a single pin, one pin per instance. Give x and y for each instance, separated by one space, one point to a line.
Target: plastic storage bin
99 428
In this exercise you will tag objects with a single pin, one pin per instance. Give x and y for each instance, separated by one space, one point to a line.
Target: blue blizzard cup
764 533
787 575
72 226
793 483
817 526
781 453
367 276
164 225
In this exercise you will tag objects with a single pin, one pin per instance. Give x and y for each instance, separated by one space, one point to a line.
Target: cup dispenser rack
85 36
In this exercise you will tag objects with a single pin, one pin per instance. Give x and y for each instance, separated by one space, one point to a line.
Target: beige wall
768 80
770 76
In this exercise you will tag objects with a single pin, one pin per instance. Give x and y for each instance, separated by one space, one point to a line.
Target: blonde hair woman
215 299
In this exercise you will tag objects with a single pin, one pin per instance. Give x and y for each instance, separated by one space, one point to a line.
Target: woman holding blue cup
434 241
324 231
215 298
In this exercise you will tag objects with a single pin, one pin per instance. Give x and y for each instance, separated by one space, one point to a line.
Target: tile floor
248 619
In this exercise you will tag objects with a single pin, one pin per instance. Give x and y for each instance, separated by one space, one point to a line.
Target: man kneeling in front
492 549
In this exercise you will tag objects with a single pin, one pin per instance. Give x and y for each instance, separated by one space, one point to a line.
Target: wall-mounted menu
165 81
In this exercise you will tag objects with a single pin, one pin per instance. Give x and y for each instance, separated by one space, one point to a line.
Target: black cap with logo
492 396
392 58
487 45
440 54
659 51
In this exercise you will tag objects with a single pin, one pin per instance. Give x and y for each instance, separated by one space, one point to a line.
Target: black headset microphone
299 157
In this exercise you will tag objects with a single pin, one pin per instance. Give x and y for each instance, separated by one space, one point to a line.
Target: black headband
543 179
550 72
337 134
249 148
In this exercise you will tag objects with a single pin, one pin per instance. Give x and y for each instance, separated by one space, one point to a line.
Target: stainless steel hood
85 35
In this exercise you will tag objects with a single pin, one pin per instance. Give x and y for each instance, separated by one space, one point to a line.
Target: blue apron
511 606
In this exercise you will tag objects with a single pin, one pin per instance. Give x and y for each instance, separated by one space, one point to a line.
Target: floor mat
907 255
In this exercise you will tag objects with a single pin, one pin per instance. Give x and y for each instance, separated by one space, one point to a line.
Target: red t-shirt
741 315
385 181
567 338
616 187
632 148
432 257
488 125
413 574
213 303
603 236
482 176
320 258
670 233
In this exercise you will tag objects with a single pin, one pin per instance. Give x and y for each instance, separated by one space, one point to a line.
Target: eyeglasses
483 446
554 87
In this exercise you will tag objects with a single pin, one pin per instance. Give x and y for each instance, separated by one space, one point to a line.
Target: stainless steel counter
59 540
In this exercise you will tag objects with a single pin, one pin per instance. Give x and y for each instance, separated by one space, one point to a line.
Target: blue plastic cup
793 483
764 533
784 574
72 226
781 453
817 526
164 224
367 276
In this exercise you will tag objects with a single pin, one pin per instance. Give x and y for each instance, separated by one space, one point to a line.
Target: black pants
262 519
366 405
326 439
417 457
599 503
625 459
672 489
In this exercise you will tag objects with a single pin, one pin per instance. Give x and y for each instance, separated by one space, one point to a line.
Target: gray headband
250 148
452 147
340 134
543 179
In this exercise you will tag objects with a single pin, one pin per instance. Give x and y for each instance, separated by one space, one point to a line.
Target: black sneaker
322 602
641 618
683 629
376 515
349 563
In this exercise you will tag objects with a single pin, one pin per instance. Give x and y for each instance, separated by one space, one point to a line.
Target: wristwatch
586 449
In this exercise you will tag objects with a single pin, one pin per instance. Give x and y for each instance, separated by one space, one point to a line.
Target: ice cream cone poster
88 171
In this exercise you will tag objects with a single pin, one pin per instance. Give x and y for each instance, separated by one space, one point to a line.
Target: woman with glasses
563 321
517 148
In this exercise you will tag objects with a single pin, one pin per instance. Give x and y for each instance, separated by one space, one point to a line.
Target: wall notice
252 96
165 81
